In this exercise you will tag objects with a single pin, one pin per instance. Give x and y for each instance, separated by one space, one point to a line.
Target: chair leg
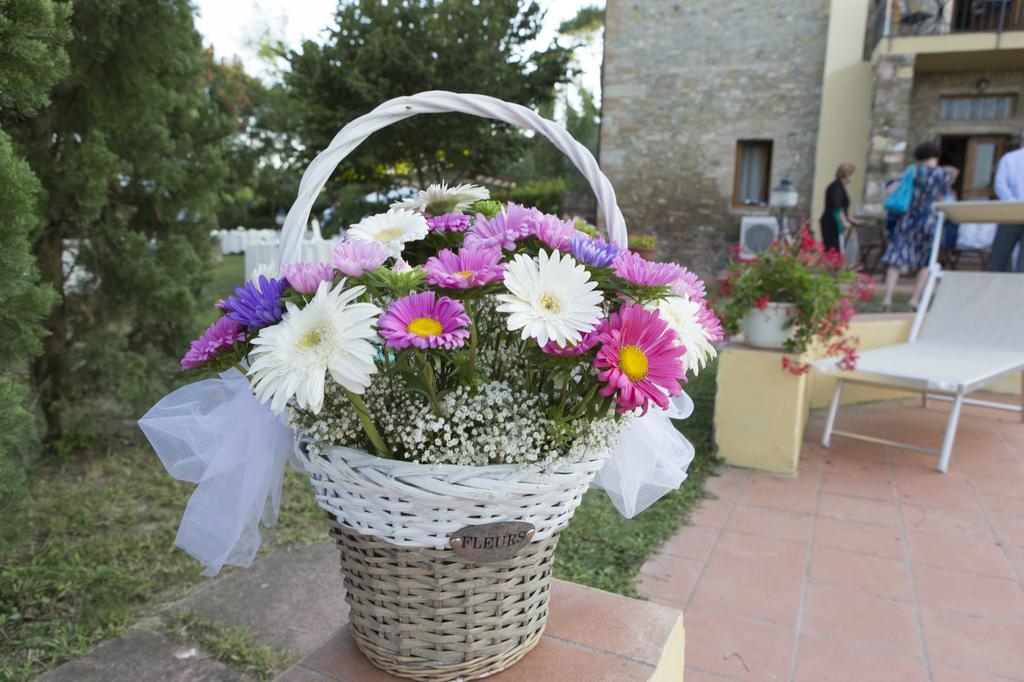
947 442
832 411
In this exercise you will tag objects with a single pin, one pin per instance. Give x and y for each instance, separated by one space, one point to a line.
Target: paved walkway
870 565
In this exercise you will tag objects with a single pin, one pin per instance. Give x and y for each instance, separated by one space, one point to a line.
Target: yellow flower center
465 274
550 304
312 338
424 327
389 234
633 362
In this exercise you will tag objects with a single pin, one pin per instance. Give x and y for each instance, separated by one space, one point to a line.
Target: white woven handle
439 102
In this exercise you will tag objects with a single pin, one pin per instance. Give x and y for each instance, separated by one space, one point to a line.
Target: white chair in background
970 336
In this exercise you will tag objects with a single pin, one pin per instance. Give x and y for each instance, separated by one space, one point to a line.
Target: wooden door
983 154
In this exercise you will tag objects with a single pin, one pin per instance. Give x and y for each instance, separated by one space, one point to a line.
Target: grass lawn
96 548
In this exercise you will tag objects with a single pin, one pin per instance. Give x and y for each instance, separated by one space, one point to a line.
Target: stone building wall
930 86
683 81
890 126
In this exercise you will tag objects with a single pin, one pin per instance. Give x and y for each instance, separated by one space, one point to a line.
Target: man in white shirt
1009 187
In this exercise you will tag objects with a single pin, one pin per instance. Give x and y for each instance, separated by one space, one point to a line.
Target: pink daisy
218 337
588 341
552 230
355 256
472 267
305 277
635 270
639 359
420 320
503 230
448 222
689 286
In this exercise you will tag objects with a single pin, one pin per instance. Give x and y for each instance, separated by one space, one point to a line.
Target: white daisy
331 334
551 298
684 318
392 229
441 199
268 270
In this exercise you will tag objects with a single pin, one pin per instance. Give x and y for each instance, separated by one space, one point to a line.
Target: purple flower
354 257
305 277
503 230
552 230
471 267
257 304
689 286
635 270
588 341
421 321
595 252
219 336
448 222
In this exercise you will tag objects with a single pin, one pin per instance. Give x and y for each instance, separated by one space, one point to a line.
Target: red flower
761 303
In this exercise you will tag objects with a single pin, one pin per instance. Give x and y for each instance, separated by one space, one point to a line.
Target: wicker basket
418 609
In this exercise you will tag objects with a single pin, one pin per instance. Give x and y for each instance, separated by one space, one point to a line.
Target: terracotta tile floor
870 565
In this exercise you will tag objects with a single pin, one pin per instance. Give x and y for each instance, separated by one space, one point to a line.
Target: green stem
428 382
472 342
586 400
369 426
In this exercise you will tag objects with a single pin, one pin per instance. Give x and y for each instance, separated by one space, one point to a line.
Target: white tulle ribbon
650 459
215 433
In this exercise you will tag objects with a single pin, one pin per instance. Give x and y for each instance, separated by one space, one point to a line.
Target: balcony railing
942 17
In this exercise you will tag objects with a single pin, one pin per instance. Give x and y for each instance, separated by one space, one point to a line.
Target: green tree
128 151
261 155
32 58
378 51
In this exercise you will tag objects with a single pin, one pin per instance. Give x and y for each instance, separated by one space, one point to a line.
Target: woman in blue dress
910 245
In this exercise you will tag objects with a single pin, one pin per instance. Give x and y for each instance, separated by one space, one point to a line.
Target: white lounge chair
970 336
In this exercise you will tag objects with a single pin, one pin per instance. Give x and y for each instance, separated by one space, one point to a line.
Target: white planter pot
767 327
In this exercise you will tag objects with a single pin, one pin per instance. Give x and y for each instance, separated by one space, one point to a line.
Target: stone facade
929 87
684 80
890 126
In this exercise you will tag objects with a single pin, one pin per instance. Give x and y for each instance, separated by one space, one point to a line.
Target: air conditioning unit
756 234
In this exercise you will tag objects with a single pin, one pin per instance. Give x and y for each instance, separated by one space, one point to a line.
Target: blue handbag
899 201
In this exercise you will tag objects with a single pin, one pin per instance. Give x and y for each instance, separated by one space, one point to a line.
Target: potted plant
643 244
452 381
791 295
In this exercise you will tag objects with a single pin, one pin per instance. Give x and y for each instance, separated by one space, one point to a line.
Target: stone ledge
591 635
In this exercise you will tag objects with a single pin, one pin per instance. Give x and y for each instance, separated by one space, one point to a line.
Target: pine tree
129 155
378 51
32 58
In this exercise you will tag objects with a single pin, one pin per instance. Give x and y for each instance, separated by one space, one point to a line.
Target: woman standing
910 246
836 217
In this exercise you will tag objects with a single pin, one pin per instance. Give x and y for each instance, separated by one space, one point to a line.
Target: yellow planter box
760 410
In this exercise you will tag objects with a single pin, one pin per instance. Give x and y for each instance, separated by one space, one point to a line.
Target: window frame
766 183
1012 96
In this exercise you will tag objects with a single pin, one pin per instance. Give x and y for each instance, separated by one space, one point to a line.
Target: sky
233 27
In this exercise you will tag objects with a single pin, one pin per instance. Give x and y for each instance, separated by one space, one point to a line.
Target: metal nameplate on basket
491 542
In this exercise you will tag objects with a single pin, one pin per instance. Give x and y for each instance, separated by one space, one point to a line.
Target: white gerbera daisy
392 229
550 299
331 333
441 199
683 317
268 270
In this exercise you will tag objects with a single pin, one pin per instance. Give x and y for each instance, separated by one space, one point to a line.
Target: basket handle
439 102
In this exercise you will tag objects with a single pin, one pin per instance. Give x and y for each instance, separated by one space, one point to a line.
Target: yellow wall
844 122
760 410
670 667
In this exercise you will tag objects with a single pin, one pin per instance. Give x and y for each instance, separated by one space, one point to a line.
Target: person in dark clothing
835 220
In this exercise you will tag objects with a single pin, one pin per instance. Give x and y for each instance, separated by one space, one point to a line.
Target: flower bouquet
801 286
454 378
